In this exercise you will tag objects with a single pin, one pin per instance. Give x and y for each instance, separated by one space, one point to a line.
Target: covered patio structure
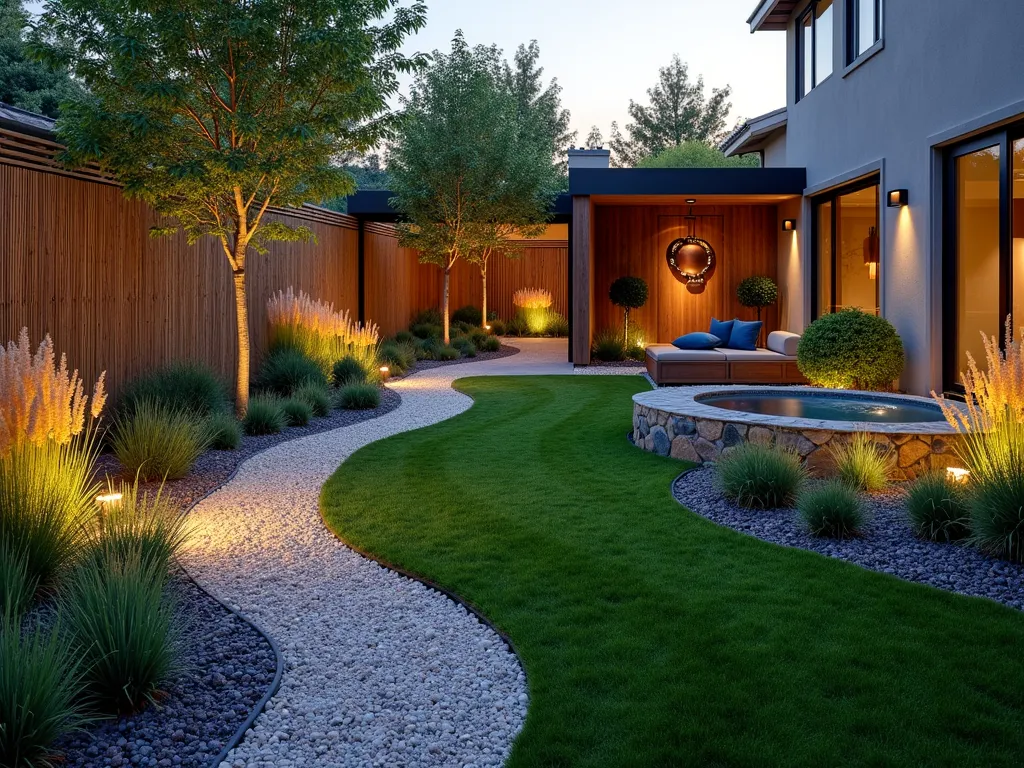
625 221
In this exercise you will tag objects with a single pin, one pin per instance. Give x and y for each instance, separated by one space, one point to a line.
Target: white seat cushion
759 355
668 353
783 342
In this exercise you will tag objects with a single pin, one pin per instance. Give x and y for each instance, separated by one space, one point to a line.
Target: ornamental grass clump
760 476
265 416
990 443
122 626
490 344
314 328
608 346
355 397
155 441
184 386
137 524
937 508
40 682
862 463
17 585
316 396
297 413
285 370
832 510
225 431
533 305
349 370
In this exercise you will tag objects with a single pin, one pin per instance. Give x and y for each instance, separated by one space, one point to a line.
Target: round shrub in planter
851 349
628 293
757 291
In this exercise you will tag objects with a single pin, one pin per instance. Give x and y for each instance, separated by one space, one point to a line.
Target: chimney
597 157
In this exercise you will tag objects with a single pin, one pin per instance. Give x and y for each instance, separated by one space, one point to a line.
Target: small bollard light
384 371
108 498
487 327
957 474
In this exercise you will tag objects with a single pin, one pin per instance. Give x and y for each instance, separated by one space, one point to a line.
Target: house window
847 250
814 46
863 27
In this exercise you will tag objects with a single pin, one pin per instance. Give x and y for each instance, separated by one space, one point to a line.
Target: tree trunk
625 332
483 310
242 328
447 272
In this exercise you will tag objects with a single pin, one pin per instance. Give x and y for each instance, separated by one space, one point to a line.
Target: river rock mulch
227 667
887 544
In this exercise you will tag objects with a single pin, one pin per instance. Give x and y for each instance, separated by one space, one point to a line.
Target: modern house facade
908 118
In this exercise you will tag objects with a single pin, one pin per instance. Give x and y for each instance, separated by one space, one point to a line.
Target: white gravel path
380 670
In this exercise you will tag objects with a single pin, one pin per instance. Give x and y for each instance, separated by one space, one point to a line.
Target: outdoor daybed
774 365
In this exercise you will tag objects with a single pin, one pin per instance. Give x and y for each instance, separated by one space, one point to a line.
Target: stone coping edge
685 401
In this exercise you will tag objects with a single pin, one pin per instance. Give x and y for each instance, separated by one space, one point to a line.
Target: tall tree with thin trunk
212 112
678 112
468 169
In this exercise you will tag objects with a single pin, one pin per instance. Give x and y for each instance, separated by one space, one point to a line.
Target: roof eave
771 16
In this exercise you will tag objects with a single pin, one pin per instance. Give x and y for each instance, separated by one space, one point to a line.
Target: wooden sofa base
725 372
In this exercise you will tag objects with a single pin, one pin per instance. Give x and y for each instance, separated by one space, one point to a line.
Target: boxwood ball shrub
265 416
297 413
286 370
156 441
760 476
628 293
832 509
937 508
851 349
40 683
862 463
357 397
757 291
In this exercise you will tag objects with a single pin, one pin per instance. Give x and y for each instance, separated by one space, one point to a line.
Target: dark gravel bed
503 351
617 364
228 666
214 468
887 544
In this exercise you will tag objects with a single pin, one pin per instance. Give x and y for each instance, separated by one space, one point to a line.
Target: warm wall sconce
789 225
691 201
898 198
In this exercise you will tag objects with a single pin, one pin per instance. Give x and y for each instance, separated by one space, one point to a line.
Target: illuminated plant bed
700 423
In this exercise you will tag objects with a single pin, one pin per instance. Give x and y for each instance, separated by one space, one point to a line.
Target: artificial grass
653 637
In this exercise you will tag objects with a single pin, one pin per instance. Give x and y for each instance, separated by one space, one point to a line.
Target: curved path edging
381 666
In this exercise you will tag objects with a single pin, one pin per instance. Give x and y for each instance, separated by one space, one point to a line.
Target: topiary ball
757 291
850 349
628 292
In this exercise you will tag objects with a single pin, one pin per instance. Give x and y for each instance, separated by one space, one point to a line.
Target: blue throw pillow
722 329
744 334
697 340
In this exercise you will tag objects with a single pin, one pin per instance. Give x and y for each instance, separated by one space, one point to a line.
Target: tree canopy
25 82
213 112
471 167
697 154
678 112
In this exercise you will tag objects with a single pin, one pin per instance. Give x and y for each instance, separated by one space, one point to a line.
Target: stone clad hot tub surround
671 421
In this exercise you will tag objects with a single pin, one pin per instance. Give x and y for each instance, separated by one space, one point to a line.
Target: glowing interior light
957 474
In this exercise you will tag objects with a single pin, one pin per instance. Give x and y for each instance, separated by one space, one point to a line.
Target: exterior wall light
691 201
789 225
898 198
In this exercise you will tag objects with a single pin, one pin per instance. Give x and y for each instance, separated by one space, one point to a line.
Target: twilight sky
605 52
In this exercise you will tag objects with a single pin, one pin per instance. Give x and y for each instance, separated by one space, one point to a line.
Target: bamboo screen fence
77 262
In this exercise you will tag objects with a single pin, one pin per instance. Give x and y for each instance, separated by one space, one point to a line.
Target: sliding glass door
984 248
847 250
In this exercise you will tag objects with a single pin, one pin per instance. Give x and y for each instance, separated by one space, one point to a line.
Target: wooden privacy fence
77 262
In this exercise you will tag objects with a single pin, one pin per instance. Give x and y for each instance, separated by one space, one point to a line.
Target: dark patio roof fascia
687 181
771 15
22 121
749 135
375 205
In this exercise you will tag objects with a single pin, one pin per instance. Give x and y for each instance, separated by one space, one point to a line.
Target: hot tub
701 423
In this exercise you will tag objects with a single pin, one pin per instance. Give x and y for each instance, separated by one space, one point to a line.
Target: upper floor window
863 27
814 45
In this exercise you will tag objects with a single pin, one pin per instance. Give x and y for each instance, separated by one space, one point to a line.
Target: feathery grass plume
532 298
39 399
990 432
40 683
315 328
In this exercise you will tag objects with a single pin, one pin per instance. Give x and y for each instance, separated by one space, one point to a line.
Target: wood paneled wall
396 285
632 240
77 262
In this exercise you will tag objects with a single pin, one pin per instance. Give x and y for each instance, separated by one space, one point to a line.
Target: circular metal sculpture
693 262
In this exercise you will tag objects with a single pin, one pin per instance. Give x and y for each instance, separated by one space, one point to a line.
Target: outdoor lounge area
363 406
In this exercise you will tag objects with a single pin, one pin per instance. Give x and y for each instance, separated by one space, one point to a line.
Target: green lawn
653 637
